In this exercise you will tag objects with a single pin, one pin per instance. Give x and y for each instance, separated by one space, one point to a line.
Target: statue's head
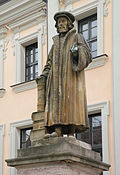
64 21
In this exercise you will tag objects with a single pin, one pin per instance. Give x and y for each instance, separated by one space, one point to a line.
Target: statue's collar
73 30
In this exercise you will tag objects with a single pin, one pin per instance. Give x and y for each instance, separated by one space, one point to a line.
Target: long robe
65 86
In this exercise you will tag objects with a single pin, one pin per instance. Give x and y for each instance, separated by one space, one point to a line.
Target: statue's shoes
54 134
46 136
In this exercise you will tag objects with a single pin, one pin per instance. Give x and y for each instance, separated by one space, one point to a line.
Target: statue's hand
41 79
74 53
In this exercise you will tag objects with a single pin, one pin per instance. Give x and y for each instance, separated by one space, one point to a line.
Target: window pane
88 28
36 56
93 135
85 26
36 50
85 34
96 121
36 68
31 52
26 79
25 138
31 60
31 70
93 32
27 134
93 46
93 23
27 60
27 73
31 77
97 133
36 75
94 54
84 136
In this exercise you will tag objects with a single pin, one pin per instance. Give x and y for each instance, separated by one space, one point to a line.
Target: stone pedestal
58 156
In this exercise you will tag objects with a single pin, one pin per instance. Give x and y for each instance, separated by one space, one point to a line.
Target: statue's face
62 26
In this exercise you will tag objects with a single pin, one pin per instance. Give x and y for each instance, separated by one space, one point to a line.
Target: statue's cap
68 15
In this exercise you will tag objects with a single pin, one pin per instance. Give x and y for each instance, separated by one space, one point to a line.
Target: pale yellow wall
45 51
80 3
108 50
28 31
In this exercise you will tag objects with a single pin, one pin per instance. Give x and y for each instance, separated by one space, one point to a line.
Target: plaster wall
28 31
80 3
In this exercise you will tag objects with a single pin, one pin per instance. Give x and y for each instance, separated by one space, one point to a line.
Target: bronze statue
61 92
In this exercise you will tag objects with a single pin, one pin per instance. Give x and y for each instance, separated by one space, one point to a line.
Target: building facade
26 31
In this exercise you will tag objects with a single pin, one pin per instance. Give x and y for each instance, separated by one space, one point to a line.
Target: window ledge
24 86
97 61
2 91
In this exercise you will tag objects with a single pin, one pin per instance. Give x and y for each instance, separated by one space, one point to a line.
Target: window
31 62
93 135
88 28
22 77
25 138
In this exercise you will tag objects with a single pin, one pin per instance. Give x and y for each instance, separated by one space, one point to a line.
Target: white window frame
2 57
15 139
104 108
2 130
1 62
19 44
99 7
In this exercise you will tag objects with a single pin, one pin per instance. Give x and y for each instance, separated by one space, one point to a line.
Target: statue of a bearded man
62 94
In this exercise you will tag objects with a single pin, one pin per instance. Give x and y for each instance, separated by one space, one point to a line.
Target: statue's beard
62 29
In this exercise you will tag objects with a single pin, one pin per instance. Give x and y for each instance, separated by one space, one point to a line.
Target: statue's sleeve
82 56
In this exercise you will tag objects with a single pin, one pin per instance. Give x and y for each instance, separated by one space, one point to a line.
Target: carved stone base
58 156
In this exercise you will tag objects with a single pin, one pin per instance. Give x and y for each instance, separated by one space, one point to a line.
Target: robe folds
65 83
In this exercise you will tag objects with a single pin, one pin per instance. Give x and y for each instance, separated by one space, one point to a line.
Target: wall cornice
83 9
67 2
19 11
28 21
104 2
